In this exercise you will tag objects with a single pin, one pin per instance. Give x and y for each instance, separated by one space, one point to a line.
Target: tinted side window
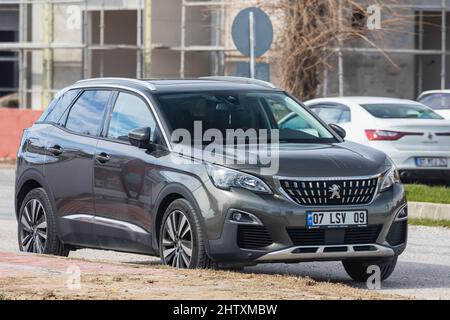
130 112
86 115
58 109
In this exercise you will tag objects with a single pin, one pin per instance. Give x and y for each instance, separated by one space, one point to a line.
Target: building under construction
48 44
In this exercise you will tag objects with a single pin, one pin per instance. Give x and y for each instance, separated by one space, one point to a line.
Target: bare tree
311 30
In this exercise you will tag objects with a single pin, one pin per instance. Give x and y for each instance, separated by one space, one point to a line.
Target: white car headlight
390 178
224 178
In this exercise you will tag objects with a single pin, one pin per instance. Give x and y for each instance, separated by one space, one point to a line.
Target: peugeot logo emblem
430 136
335 192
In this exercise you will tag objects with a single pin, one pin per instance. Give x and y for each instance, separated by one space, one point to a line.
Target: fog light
244 218
237 216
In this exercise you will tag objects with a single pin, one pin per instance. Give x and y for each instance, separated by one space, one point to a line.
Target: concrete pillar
147 22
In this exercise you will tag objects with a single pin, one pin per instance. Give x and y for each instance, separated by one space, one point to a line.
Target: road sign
252 33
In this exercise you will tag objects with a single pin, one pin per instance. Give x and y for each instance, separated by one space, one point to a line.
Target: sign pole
251 22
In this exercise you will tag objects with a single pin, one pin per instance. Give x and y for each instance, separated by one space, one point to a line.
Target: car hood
345 159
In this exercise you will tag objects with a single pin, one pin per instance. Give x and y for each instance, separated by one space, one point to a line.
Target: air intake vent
323 237
398 233
253 237
325 193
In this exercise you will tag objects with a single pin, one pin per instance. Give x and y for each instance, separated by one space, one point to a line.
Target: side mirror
339 130
140 138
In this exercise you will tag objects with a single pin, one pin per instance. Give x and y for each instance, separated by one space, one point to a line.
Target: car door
68 170
123 179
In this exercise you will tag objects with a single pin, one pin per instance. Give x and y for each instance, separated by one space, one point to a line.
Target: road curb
432 211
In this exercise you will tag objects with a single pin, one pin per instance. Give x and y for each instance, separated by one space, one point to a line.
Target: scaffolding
219 46
421 9
47 46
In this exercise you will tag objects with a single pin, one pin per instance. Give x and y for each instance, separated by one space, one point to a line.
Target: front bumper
332 247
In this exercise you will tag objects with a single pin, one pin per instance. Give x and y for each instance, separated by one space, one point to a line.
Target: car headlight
224 178
390 178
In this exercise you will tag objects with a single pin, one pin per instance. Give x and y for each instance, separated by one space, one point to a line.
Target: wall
12 123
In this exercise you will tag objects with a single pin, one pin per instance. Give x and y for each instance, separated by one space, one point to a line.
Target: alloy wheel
177 240
33 227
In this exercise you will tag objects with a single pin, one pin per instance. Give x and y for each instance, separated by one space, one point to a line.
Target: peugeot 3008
100 170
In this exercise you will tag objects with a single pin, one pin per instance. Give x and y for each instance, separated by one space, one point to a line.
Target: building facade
48 44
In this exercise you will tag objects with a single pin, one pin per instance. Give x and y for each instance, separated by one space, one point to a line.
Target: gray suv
102 168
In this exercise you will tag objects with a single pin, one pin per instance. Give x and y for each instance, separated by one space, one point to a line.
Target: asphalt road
423 271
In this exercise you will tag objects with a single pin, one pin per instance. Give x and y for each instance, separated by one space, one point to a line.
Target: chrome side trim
309 179
280 189
118 223
241 80
288 254
405 206
112 86
106 221
256 220
80 217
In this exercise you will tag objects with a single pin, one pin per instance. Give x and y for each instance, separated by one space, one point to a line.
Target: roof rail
241 80
136 81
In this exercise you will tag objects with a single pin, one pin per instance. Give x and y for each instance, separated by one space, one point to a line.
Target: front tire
37 226
181 240
357 269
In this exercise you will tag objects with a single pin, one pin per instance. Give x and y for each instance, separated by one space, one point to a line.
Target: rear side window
336 114
59 106
401 111
86 115
438 101
130 112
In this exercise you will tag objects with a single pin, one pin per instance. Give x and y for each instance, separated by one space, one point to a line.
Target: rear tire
37 226
357 269
181 240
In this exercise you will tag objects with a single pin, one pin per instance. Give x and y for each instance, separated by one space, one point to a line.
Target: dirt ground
39 277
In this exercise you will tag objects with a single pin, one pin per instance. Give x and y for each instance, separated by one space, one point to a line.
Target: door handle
55 150
102 157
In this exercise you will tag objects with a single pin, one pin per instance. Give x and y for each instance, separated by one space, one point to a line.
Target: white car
412 134
438 100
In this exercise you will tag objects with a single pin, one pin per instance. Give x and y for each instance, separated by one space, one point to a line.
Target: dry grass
313 29
168 283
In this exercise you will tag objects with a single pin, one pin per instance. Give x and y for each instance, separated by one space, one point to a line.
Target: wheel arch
30 180
168 195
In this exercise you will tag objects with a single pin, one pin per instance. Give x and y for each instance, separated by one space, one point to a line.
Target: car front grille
340 236
253 237
331 192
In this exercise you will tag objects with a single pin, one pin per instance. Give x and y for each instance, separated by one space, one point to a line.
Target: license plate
336 219
432 162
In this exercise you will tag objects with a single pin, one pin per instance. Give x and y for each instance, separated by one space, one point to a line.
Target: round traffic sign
263 31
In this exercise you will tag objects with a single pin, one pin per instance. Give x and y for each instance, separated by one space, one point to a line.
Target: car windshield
244 110
437 101
400 111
